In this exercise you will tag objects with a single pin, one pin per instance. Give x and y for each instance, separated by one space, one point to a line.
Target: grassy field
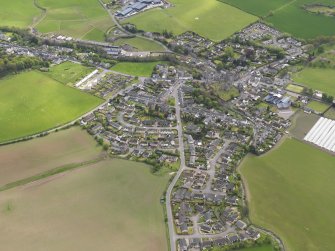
69 73
318 106
140 44
84 19
289 16
291 192
301 124
208 18
32 102
330 113
143 69
111 205
18 13
295 88
317 79
26 159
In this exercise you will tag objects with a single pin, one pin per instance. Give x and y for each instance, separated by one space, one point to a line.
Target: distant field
32 102
18 13
318 106
112 205
289 16
208 18
69 73
84 19
140 44
317 79
26 159
143 69
294 88
298 202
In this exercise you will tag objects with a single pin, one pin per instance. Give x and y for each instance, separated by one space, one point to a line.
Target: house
204 228
182 245
241 224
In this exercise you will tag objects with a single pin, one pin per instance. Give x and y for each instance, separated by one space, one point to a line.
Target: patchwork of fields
289 16
209 18
297 203
32 102
99 207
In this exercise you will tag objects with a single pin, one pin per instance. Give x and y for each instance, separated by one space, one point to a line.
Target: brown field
25 159
111 205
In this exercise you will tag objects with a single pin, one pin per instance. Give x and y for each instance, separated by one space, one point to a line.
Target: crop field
140 44
290 16
32 102
298 202
104 206
208 18
141 69
318 106
317 79
84 19
26 159
69 73
18 13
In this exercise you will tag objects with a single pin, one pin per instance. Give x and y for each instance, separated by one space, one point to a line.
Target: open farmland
26 159
32 102
76 18
317 79
142 69
318 106
69 73
297 203
18 13
100 207
209 18
290 16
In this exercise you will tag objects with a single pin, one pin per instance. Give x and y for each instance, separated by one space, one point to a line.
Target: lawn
295 88
208 18
111 205
291 192
140 44
317 79
142 69
262 248
318 106
18 13
32 102
69 73
84 19
71 146
289 16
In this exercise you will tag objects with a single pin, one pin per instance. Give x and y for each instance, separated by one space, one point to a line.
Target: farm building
137 7
323 134
278 100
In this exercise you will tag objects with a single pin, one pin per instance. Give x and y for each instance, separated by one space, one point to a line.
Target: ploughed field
32 102
298 202
209 18
110 205
290 16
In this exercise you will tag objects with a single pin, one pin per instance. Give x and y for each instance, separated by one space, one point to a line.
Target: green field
317 79
289 16
84 19
295 88
302 123
18 13
111 205
318 106
69 73
208 18
330 113
32 102
291 192
142 69
63 148
140 44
